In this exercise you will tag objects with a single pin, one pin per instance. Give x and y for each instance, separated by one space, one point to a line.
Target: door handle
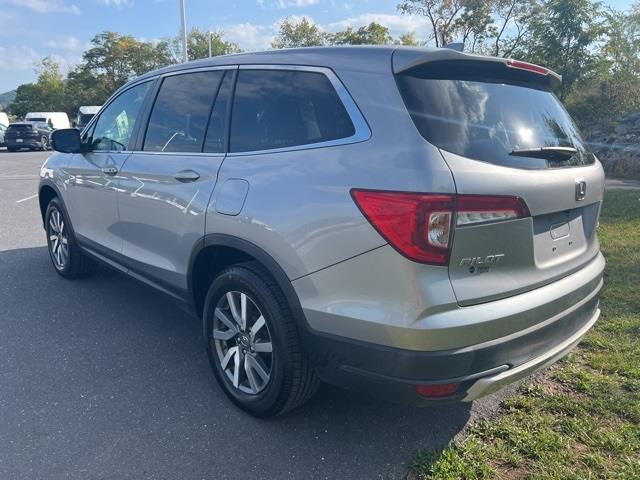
109 170
186 176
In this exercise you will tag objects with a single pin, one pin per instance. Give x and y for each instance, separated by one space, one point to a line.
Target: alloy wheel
58 240
242 342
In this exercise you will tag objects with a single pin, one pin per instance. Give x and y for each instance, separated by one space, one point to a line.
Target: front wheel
253 343
66 256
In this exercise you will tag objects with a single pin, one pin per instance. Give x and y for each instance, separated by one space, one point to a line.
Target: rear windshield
36 119
490 121
20 128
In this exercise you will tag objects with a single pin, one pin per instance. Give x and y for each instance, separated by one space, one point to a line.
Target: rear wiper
547 153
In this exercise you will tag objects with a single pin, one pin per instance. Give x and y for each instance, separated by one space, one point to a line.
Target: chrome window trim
198 70
362 130
180 154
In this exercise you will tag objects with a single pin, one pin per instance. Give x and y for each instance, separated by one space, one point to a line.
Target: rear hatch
532 191
20 131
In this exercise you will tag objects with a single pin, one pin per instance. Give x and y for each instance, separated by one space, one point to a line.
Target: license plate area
560 236
18 140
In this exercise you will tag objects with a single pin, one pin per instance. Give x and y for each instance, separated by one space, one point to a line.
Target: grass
580 419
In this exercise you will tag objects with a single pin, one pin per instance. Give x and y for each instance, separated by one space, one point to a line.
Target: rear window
284 108
491 121
37 119
19 128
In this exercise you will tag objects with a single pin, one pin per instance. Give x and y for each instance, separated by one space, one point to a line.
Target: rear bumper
492 383
26 143
553 319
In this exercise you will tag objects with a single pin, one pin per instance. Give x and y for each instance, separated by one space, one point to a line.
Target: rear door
508 140
165 185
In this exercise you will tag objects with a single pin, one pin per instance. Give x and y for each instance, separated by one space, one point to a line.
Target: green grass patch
581 419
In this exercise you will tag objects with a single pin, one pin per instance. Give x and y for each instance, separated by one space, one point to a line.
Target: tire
44 142
11 149
66 256
291 378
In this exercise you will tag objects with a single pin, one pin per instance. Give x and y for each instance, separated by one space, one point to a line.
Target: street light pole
210 33
183 24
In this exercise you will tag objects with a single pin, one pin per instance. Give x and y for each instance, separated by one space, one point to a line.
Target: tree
563 37
474 23
622 47
494 27
84 88
512 19
372 34
303 33
613 87
198 45
46 94
408 39
113 59
444 17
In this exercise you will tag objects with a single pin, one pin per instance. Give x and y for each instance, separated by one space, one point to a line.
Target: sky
32 29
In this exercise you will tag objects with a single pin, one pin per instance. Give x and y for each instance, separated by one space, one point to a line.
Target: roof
365 58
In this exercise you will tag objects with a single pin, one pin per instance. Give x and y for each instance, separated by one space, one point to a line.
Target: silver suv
420 224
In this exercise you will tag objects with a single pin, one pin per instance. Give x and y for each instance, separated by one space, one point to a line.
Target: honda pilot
418 224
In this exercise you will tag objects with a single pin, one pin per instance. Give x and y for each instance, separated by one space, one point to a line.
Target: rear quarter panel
299 207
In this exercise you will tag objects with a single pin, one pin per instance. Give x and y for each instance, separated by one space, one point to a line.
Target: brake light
527 66
419 226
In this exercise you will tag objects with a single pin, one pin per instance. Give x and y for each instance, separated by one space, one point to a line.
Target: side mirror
66 140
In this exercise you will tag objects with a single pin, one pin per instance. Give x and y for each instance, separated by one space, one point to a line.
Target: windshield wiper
547 153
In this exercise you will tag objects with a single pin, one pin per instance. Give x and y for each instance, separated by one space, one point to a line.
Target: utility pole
183 24
210 33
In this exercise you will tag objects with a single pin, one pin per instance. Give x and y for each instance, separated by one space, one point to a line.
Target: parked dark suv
420 224
34 136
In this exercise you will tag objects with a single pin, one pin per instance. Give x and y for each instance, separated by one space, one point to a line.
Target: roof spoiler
445 63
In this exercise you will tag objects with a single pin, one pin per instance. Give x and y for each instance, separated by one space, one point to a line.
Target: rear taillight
480 208
527 66
420 225
417 225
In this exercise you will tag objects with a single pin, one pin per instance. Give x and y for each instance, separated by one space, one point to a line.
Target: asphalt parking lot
104 378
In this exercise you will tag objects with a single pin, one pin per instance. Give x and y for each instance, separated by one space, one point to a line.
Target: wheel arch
218 251
47 191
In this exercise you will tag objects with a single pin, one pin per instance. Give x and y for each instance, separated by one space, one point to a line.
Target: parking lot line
28 198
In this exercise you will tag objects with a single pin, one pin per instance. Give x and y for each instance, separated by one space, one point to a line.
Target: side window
285 108
113 129
181 112
214 141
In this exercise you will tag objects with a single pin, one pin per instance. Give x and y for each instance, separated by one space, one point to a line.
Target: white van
4 119
85 114
54 119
